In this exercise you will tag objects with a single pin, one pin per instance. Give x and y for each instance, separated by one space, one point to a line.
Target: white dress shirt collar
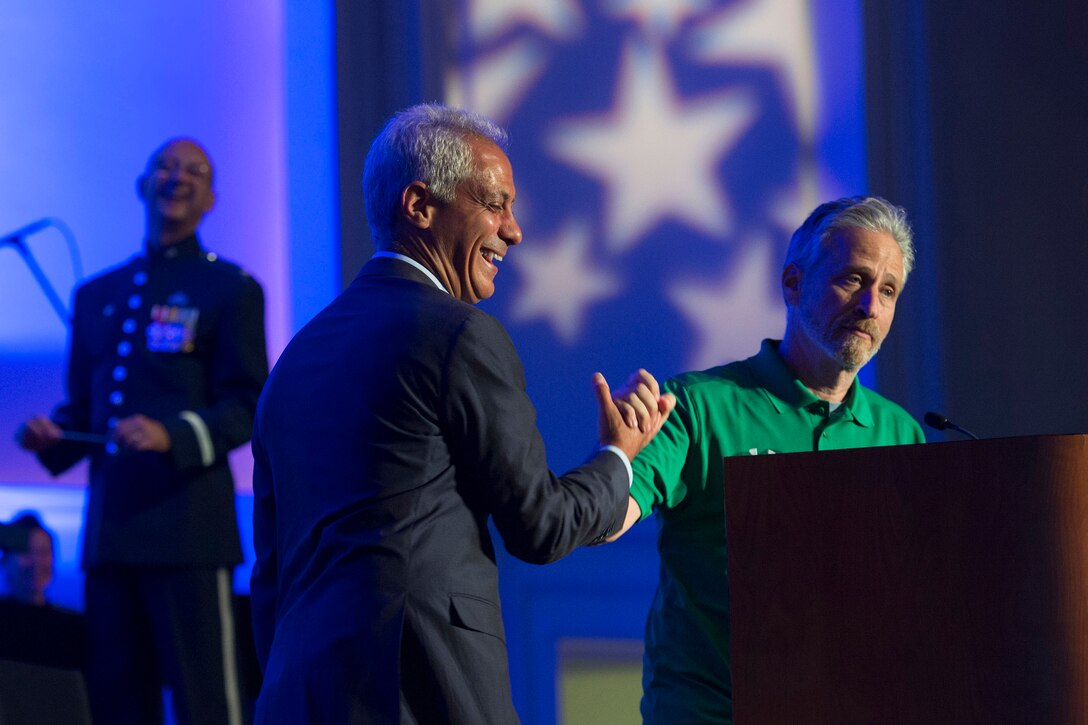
414 263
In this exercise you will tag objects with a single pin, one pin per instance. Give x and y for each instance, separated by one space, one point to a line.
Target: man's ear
417 205
141 186
791 284
209 203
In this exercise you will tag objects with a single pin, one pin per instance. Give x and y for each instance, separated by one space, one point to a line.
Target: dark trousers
151 627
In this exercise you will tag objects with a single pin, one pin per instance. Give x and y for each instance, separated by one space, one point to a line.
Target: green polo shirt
752 407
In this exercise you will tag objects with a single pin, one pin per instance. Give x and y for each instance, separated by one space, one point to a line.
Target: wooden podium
938 583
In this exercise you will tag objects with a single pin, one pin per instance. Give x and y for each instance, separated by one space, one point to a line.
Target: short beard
851 353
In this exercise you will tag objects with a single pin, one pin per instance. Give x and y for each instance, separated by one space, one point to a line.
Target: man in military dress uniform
166 363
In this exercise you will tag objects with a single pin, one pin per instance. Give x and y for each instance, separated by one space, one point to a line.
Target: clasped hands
631 416
137 432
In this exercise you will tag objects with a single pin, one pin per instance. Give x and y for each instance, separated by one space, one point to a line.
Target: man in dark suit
166 361
393 427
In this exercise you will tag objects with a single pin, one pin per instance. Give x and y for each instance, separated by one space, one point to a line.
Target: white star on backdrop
731 317
790 207
655 154
495 85
772 32
559 282
659 18
488 19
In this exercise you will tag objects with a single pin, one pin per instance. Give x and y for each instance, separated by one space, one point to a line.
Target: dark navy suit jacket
393 426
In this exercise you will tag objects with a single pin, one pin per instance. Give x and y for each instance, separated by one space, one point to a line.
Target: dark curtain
389 55
978 123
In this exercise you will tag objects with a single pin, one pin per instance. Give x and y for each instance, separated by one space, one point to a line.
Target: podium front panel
936 583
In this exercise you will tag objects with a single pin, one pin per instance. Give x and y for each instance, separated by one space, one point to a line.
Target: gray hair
853 212
428 143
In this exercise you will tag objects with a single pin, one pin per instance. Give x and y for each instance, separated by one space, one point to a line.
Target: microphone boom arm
16 240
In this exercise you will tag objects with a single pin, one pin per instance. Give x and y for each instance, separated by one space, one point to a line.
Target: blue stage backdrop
663 153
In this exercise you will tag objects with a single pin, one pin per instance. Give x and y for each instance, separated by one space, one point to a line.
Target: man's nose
867 301
510 231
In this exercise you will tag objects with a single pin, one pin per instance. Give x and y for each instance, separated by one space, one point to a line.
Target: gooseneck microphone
940 422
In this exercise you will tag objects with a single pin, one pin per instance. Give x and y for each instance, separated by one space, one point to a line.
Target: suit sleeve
263 584
491 425
238 369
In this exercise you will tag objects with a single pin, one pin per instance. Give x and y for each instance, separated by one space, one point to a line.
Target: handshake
630 417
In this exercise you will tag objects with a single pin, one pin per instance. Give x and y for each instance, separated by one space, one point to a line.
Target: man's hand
141 433
38 433
631 418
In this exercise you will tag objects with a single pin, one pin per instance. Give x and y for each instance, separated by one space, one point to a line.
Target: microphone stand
39 276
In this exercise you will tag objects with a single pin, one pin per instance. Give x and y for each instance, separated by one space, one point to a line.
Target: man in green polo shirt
843 273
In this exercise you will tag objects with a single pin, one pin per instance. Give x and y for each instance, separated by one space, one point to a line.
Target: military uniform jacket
177 335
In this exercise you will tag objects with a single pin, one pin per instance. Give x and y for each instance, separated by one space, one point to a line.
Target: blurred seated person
27 574
31 628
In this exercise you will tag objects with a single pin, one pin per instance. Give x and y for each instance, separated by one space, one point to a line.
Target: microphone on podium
940 422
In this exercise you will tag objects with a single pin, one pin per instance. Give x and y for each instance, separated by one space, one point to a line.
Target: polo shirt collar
785 392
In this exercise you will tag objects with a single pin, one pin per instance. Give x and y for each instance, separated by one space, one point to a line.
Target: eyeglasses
168 166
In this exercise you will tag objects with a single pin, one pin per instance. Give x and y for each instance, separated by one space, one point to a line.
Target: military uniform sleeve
238 369
658 467
75 412
491 425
